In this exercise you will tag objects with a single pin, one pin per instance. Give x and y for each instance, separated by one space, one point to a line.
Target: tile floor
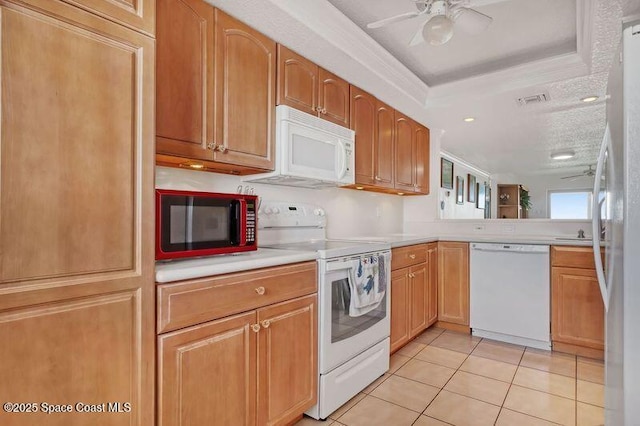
448 378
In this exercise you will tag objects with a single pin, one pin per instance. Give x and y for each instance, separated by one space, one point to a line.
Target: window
570 204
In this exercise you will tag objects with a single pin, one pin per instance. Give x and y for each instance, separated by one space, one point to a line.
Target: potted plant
525 201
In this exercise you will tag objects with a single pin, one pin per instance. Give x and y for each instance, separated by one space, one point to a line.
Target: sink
572 239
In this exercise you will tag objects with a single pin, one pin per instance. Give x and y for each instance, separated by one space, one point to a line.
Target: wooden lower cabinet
258 367
287 360
413 292
400 290
453 282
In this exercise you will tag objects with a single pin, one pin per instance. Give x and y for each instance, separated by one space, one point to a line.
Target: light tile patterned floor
449 378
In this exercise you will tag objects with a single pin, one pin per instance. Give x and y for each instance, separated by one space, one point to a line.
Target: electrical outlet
378 212
478 228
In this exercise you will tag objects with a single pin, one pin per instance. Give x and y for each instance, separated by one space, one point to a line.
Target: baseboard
453 327
578 350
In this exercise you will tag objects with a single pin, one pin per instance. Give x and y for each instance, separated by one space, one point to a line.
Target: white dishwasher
510 293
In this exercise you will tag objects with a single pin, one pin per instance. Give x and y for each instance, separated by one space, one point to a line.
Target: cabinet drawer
407 256
572 257
196 301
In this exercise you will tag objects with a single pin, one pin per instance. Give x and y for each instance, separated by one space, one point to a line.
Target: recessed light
589 99
359 187
563 155
469 119
400 193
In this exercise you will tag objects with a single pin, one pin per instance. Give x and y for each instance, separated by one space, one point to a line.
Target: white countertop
401 240
177 270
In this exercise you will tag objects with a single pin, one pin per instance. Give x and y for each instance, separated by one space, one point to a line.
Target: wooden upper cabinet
287 360
184 89
76 214
384 145
363 122
333 98
208 373
136 14
297 81
215 76
404 153
245 86
422 159
453 282
305 86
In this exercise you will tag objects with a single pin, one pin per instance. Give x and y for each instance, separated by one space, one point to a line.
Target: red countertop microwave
191 224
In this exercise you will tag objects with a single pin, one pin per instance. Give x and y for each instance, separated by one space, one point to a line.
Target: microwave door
309 153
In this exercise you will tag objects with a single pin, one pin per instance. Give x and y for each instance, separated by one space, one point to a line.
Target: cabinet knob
255 327
324 110
412 275
222 148
378 178
266 323
318 109
260 290
212 146
412 256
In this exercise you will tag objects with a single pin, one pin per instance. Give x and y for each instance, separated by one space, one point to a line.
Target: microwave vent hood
310 152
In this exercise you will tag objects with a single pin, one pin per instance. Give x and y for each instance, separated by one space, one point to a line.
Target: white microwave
310 152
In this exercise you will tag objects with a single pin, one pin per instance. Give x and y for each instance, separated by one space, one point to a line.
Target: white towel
366 292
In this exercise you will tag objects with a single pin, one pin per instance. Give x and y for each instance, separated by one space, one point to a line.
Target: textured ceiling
521 31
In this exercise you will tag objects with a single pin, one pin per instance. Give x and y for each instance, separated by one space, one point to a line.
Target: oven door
343 336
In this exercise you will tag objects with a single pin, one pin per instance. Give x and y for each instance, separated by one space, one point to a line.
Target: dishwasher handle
513 249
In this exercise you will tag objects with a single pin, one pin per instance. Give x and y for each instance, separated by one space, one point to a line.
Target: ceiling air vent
533 99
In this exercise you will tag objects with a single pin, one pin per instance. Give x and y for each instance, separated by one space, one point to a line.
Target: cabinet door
404 153
453 282
333 98
399 308
297 81
76 198
245 85
363 122
577 308
137 14
422 159
288 360
384 145
184 118
432 283
418 299
207 373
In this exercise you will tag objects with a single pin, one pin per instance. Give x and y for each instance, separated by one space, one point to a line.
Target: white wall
350 213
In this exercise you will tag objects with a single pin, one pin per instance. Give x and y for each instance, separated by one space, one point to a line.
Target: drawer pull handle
266 323
412 256
260 290
412 275
255 327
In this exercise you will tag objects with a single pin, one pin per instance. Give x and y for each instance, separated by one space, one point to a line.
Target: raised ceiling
522 31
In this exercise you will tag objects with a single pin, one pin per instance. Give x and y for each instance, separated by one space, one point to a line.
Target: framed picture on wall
471 188
481 195
459 190
446 173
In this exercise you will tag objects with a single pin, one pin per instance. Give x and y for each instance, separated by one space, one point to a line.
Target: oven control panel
281 214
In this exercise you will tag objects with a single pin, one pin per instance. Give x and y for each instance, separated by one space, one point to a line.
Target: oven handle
339 266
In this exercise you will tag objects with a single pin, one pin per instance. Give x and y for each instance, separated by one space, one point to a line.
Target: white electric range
353 343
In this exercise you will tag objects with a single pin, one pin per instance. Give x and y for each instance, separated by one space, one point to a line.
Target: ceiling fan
442 16
590 172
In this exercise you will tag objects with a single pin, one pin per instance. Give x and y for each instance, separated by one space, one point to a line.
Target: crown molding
334 27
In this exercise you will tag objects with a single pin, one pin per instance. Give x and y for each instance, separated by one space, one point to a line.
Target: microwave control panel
251 223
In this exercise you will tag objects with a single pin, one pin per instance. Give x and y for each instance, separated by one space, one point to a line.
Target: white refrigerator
616 226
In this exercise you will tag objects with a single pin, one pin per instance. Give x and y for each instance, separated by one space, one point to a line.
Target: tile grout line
510 385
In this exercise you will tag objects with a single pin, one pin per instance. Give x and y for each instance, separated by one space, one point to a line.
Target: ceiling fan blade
471 21
418 38
393 19
572 177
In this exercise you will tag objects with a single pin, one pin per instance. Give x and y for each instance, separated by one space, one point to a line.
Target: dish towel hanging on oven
368 284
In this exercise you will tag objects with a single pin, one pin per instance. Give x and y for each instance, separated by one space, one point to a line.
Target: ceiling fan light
438 30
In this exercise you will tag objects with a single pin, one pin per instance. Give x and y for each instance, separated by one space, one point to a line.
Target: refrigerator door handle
596 219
